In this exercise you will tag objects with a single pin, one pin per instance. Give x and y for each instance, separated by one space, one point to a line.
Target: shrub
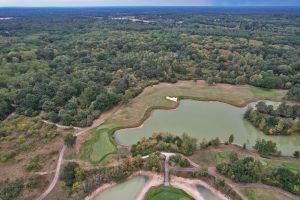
70 140
296 154
179 160
34 164
215 142
68 174
7 155
267 148
283 178
11 190
231 139
246 170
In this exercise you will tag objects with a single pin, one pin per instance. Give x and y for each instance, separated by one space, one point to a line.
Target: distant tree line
72 66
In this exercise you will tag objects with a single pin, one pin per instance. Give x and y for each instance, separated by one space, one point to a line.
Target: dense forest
71 65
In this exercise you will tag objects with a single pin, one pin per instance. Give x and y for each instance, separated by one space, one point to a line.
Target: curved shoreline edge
156 179
150 111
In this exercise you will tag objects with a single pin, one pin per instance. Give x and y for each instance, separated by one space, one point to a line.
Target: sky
47 3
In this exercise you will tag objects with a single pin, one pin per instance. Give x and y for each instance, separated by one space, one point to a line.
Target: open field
138 109
258 194
166 193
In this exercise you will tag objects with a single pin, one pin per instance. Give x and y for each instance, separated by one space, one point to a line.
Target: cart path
104 116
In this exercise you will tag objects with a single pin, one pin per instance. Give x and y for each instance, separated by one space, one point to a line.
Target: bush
179 160
11 190
8 155
32 184
70 140
296 154
34 164
231 139
246 170
215 142
68 174
285 179
266 148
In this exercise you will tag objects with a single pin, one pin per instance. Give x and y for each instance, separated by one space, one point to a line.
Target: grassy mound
167 193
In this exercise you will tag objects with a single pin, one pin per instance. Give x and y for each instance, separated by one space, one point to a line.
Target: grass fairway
259 194
99 146
166 193
154 97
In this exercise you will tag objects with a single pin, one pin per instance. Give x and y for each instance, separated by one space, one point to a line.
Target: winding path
79 131
56 176
236 186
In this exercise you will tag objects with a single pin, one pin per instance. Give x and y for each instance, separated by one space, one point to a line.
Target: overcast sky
149 3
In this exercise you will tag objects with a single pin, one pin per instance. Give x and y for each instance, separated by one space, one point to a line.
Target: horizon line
124 6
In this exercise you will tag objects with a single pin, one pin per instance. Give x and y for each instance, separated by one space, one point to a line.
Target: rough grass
154 97
291 165
166 193
99 146
208 158
258 194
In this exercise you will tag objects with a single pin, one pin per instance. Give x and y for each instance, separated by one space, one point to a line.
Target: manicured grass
259 194
166 193
154 97
99 146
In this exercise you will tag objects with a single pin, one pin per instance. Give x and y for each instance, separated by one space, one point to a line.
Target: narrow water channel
124 191
208 120
206 193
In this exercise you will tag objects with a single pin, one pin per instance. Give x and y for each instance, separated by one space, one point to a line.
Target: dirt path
154 180
79 132
56 176
236 186
212 171
189 186
274 189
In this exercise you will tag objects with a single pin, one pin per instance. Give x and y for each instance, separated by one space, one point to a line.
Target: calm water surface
126 191
206 120
207 194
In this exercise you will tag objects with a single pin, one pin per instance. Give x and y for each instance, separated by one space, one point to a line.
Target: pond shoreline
149 113
156 179
107 186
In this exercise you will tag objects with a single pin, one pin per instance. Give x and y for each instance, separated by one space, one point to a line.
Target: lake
206 119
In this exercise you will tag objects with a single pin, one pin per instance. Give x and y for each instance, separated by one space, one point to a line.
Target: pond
207 194
206 119
127 190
